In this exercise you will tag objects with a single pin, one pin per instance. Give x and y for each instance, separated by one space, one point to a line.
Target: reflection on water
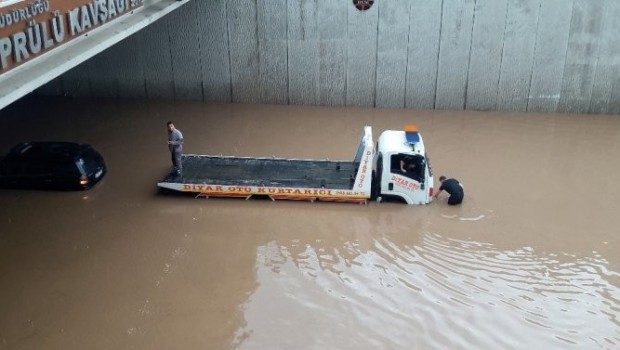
529 261
439 293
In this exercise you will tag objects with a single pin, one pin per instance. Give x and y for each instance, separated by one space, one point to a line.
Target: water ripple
441 293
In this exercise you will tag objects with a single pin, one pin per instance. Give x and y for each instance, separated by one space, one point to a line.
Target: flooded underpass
528 261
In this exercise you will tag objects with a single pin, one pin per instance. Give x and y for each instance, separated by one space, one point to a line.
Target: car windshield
90 160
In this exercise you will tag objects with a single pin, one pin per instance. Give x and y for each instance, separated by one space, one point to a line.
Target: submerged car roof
47 149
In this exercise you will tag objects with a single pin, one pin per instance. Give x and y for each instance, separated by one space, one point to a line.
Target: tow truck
375 173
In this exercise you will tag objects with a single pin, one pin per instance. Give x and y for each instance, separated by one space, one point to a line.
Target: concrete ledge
31 75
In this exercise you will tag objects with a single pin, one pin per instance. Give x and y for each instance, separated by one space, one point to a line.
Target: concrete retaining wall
510 55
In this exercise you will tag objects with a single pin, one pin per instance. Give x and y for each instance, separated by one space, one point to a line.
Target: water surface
529 261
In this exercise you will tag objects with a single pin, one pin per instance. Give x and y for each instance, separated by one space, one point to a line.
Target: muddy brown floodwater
529 261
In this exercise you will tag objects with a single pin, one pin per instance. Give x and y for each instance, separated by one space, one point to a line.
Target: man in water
454 188
175 145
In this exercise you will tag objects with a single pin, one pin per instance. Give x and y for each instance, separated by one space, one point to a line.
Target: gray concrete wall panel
130 73
581 57
303 63
303 52
214 50
302 20
273 72
332 73
272 20
361 56
549 55
608 65
614 100
104 80
454 53
272 47
332 19
158 62
243 40
611 56
392 42
184 49
486 54
52 88
518 55
422 53
76 82
332 30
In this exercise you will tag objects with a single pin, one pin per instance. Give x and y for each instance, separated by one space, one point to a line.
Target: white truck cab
401 167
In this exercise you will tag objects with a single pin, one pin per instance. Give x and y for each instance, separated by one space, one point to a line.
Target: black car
52 165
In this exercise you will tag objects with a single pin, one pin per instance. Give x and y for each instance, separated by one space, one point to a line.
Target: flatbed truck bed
277 178
272 172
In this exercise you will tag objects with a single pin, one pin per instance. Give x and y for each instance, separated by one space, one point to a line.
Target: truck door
404 177
410 166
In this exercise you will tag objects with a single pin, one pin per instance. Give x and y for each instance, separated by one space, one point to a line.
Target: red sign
363 5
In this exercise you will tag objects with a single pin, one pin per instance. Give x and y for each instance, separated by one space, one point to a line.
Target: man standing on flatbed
454 188
175 145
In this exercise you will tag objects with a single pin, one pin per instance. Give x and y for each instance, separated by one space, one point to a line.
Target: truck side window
413 166
395 160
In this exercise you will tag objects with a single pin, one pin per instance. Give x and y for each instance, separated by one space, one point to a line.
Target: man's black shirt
451 186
